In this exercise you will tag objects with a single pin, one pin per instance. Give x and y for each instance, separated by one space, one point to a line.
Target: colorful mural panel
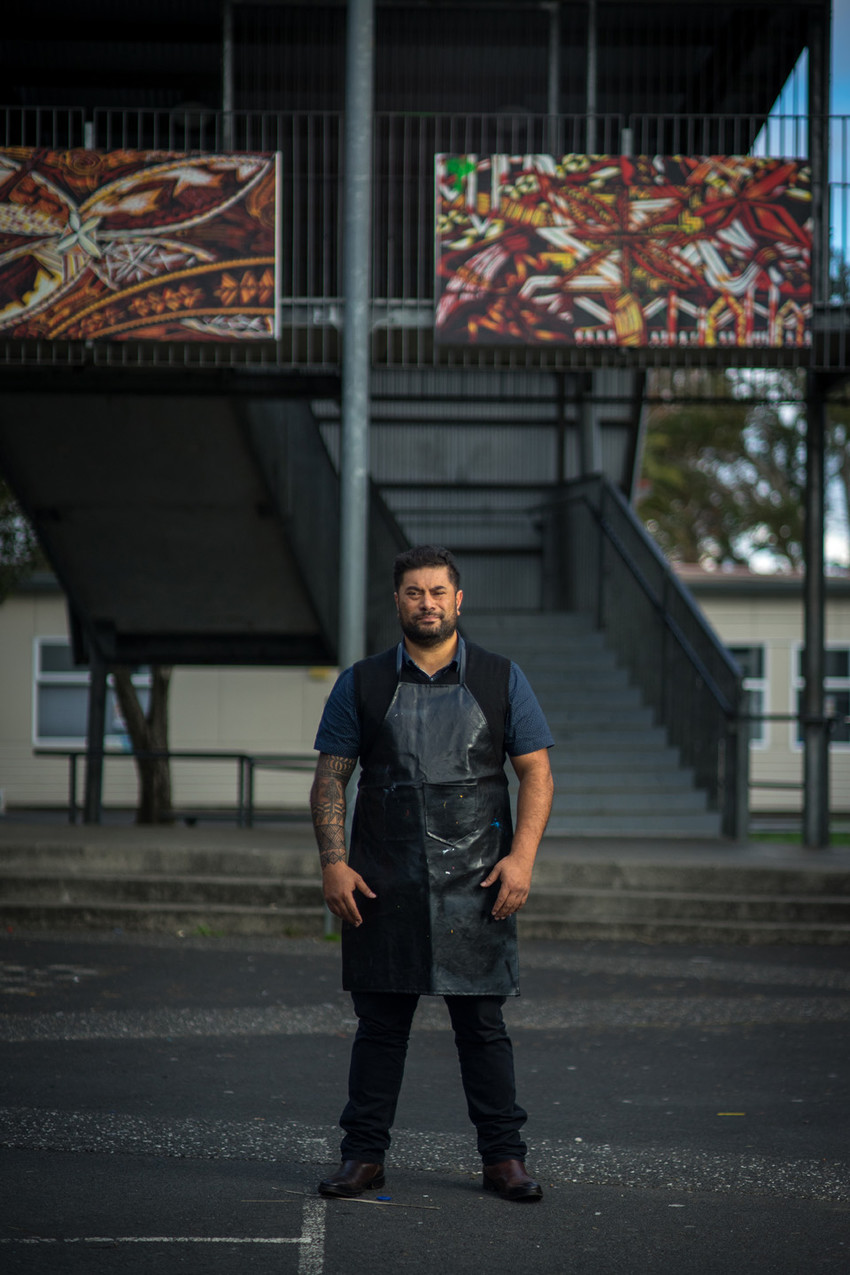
142 245
647 251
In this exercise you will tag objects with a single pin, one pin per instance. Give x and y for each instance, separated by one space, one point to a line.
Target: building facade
760 619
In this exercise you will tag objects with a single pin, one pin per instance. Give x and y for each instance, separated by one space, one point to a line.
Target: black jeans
377 1067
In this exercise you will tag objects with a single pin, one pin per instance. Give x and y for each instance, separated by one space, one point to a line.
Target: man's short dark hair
425 556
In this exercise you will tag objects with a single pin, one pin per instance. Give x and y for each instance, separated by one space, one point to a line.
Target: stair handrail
594 544
723 701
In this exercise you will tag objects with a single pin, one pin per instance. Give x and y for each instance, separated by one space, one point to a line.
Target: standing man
435 875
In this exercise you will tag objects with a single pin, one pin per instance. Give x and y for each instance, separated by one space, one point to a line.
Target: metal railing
247 766
310 297
598 560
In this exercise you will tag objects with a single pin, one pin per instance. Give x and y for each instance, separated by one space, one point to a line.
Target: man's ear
458 601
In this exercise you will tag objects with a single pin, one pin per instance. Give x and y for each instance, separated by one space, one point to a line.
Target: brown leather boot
509 1179
353 1177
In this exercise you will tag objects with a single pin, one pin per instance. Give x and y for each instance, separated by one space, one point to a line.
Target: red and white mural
647 251
150 245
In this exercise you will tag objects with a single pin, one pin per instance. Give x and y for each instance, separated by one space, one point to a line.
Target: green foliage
20 553
724 481
839 277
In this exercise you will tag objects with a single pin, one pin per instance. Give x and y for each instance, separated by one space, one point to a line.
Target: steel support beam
592 95
553 84
227 98
93 799
357 230
815 731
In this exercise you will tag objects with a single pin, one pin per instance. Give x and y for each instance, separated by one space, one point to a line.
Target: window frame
78 676
761 684
834 684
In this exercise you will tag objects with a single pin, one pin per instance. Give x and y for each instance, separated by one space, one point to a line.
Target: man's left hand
515 877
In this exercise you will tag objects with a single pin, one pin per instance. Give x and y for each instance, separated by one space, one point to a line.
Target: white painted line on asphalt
312 1239
155 1239
311 1259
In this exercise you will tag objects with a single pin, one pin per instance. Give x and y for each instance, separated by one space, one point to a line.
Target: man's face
428 605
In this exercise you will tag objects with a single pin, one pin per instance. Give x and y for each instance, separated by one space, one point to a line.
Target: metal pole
592 76
815 733
227 74
588 433
93 799
354 460
553 91
818 104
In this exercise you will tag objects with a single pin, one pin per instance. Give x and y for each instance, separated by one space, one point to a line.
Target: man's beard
433 635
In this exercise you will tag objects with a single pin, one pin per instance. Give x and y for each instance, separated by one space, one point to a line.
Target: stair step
674 905
705 933
678 825
182 918
658 757
586 698
575 896
608 778
153 888
607 801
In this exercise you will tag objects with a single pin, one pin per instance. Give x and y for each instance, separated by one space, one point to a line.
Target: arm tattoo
327 806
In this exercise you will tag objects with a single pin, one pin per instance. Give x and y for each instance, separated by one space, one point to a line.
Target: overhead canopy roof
155 514
431 55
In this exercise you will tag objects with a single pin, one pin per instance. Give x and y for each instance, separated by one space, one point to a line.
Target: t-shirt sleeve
339 730
526 730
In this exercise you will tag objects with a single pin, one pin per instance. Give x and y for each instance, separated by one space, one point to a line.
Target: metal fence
602 563
244 808
310 300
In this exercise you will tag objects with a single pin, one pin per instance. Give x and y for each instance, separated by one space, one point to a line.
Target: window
61 699
751 661
836 692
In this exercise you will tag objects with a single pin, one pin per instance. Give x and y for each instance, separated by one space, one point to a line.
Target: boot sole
348 1193
519 1195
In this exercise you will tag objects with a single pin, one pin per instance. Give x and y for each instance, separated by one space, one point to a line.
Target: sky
840 57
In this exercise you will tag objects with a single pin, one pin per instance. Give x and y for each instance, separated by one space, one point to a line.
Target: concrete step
157 888
677 905
684 894
589 778
586 695
638 801
161 918
685 873
567 718
589 739
706 933
101 855
676 825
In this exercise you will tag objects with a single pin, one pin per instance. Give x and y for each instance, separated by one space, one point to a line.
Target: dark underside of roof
430 56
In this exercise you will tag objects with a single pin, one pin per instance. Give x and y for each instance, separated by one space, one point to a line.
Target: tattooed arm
327 806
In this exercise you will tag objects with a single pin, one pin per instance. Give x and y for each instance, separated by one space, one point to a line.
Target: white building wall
251 710
776 623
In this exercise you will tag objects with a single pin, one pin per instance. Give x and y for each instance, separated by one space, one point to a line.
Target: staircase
615 773
215 882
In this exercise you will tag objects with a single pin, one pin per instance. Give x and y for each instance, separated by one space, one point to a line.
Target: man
435 876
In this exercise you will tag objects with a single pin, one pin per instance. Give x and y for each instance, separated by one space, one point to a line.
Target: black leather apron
432 818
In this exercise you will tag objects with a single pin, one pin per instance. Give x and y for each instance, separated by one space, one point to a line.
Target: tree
724 481
20 553
148 731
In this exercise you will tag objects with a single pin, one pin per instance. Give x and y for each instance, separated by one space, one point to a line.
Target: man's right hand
340 883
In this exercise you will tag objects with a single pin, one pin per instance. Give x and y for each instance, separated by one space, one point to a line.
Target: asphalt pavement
169 1104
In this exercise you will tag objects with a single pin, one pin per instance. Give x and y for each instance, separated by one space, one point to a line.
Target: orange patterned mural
646 251
148 245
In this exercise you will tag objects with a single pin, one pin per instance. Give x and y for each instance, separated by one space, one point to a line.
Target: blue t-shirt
526 729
